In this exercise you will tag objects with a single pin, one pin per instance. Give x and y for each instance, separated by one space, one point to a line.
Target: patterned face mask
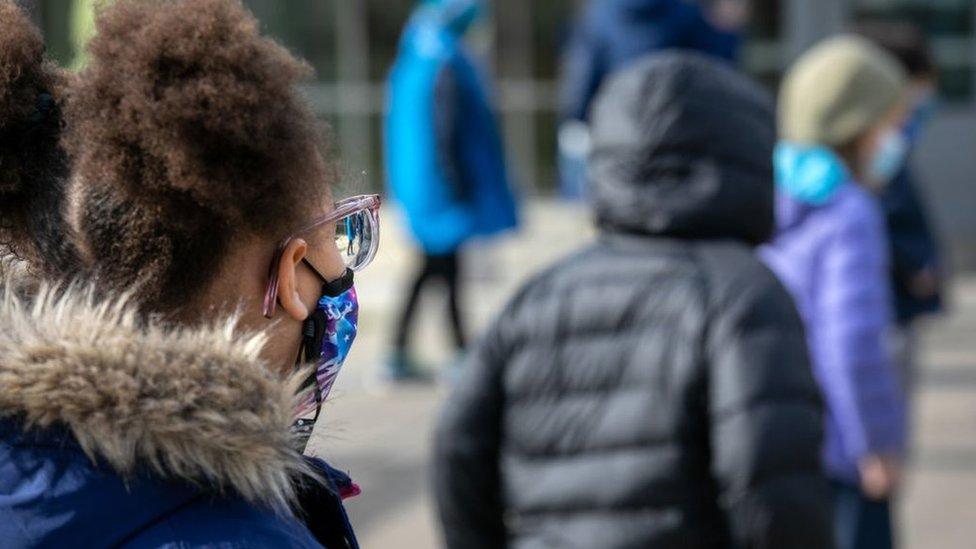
327 336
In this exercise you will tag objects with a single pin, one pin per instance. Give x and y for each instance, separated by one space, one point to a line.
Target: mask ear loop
312 331
336 287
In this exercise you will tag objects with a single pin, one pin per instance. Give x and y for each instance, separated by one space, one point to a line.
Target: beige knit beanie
837 90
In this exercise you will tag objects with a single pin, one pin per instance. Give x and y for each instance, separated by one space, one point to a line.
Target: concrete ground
382 438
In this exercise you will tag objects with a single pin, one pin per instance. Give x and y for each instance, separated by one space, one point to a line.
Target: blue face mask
328 335
888 159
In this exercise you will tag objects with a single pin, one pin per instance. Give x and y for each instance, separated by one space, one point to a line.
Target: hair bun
187 98
185 130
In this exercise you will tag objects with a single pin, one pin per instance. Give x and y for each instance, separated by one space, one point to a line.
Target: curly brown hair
33 166
186 131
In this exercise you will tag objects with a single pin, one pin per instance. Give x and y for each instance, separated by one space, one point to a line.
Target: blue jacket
53 495
116 434
833 258
612 33
445 159
913 247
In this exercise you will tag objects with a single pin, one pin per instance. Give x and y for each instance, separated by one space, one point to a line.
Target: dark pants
861 523
443 268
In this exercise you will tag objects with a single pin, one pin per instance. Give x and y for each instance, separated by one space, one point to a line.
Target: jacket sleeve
466 475
766 420
854 312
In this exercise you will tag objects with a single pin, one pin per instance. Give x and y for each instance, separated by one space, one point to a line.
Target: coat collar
192 405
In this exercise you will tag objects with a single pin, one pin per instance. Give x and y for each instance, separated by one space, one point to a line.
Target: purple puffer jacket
833 259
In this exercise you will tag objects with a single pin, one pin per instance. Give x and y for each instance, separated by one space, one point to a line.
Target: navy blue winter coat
613 33
116 434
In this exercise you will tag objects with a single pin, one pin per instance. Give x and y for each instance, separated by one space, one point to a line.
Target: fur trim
194 405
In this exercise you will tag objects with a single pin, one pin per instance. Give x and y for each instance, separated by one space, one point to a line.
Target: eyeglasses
357 235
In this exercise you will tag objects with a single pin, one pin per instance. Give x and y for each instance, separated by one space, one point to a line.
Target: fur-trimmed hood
197 406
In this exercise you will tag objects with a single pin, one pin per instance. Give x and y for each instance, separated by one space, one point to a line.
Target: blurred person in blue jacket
445 158
613 33
916 266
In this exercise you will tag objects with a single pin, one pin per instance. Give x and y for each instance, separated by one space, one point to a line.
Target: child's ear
288 296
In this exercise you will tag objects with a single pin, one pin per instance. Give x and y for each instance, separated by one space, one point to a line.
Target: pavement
382 437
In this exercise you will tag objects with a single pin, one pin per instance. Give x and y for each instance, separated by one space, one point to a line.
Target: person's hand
925 283
880 476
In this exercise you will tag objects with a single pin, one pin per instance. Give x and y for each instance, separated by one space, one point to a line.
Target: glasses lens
357 237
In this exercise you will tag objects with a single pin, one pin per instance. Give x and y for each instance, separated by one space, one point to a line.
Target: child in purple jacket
840 107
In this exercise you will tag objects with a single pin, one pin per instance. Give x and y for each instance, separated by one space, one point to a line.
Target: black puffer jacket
653 390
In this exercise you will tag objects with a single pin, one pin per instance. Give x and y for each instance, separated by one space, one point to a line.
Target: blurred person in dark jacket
917 271
654 389
613 33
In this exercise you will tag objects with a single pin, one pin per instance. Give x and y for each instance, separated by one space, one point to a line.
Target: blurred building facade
351 44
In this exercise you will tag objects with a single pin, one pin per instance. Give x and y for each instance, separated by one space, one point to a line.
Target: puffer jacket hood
682 147
165 416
